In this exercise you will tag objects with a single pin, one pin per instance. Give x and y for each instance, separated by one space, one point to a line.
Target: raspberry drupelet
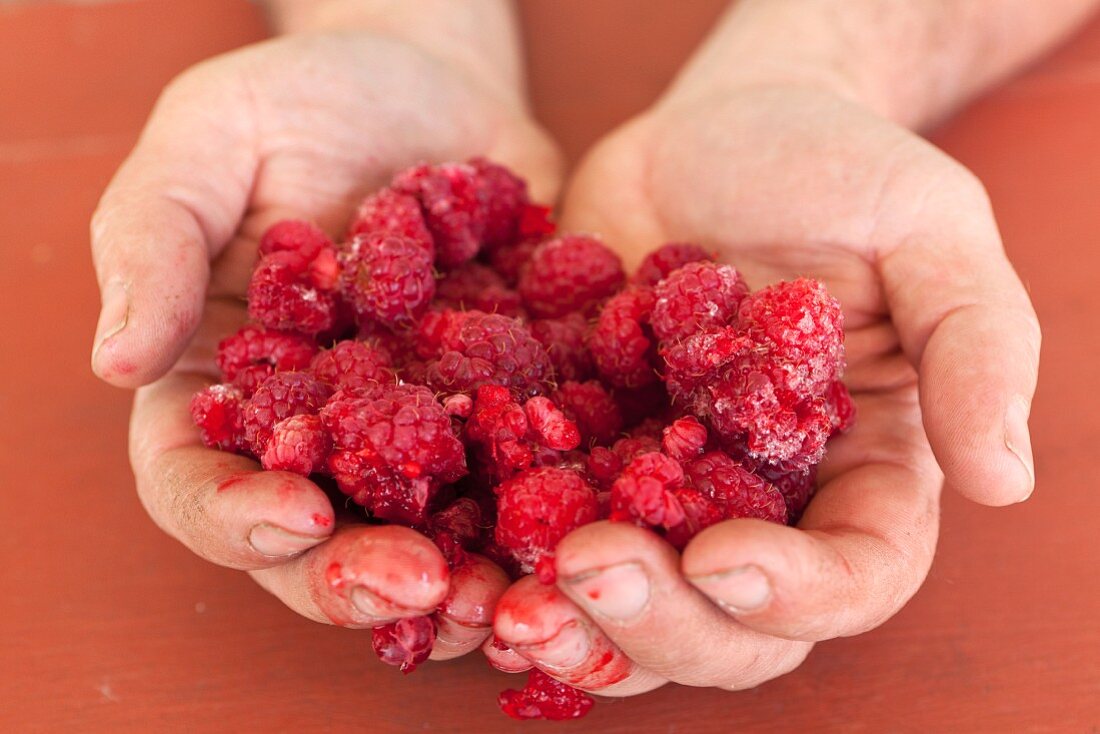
571 273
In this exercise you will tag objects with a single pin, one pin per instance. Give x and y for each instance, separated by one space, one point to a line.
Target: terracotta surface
107 625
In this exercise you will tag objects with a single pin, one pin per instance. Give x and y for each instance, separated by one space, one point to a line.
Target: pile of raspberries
453 366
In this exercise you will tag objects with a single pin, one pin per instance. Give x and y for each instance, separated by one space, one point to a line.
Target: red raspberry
700 513
453 199
280 396
545 698
476 286
478 349
405 643
509 437
284 294
658 264
696 362
537 508
593 409
535 223
684 439
218 412
802 329
553 429
304 239
797 487
458 528
506 202
353 366
387 279
573 273
389 212
739 492
393 450
698 296
603 466
621 341
564 341
644 491
510 261
298 444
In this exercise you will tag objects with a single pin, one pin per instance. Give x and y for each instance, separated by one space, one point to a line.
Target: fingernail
377 607
1018 438
618 592
743 589
276 542
113 315
566 649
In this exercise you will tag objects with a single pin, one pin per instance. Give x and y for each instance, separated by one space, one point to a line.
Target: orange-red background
107 625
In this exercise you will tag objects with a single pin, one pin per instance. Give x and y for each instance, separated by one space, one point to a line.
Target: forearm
482 36
912 62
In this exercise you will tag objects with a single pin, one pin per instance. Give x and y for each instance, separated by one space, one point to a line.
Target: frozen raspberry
739 492
572 273
392 213
564 341
658 264
280 396
298 444
594 410
797 487
802 329
393 450
545 698
473 286
505 202
387 279
537 508
453 199
841 408
353 366
644 491
621 342
698 360
476 348
218 412
405 643
698 296
684 439
510 261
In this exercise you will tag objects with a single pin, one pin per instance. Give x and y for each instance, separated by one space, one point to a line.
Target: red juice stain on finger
334 575
320 520
233 480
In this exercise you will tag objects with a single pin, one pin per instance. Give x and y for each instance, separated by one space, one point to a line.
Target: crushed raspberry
564 341
684 439
393 450
458 528
658 264
218 412
477 348
735 489
698 296
453 200
573 273
353 366
545 698
387 279
473 286
280 396
294 284
298 444
594 410
405 643
622 343
537 508
391 213
505 202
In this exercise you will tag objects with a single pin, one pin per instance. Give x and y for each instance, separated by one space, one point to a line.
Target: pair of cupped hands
782 178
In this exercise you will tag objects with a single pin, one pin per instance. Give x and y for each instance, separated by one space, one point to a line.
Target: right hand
297 127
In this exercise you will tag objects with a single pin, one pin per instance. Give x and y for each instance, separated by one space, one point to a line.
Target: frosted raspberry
280 396
797 487
564 341
473 286
389 212
393 450
218 412
304 239
739 492
353 366
621 342
298 444
658 264
644 491
684 439
453 199
510 261
405 643
698 361
387 279
545 698
840 407
505 202
593 409
802 329
572 273
698 296
476 348
282 294
537 508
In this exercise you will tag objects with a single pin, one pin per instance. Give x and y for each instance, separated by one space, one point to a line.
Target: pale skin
788 162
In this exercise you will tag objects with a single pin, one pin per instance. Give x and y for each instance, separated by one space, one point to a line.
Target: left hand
943 349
